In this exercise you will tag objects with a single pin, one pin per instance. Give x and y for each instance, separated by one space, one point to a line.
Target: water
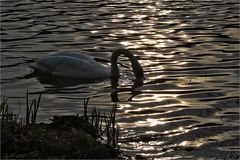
188 104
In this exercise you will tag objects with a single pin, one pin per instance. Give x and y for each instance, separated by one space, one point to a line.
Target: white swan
76 65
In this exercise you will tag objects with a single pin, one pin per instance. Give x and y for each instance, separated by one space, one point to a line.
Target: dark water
188 104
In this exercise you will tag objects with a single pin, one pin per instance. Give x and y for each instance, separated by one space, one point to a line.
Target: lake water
188 106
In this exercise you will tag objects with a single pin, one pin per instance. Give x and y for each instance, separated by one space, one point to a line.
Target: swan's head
136 67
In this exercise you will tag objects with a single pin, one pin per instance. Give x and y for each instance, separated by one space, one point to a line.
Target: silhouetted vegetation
93 135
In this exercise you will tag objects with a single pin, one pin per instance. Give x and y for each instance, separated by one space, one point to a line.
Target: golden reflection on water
126 32
159 39
146 146
130 44
175 132
143 41
201 141
154 122
179 63
124 106
93 31
157 54
197 143
138 16
144 98
120 15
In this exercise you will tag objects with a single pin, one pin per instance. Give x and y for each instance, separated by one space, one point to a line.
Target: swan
76 65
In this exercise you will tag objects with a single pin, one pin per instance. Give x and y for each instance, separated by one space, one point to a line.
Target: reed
103 122
85 104
31 110
6 112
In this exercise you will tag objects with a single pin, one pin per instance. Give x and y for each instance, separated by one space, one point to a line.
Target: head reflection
138 82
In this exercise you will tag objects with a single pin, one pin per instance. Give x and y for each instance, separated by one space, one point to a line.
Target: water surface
188 104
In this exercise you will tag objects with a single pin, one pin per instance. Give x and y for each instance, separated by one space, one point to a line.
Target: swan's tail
32 66
36 68
34 71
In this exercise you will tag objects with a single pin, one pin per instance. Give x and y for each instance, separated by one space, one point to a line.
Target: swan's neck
136 67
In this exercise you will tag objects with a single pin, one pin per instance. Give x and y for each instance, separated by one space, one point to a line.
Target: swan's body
77 65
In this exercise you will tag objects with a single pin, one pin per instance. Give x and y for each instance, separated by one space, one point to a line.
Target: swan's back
71 54
71 65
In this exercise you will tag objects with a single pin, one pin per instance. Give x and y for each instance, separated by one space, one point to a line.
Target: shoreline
65 137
